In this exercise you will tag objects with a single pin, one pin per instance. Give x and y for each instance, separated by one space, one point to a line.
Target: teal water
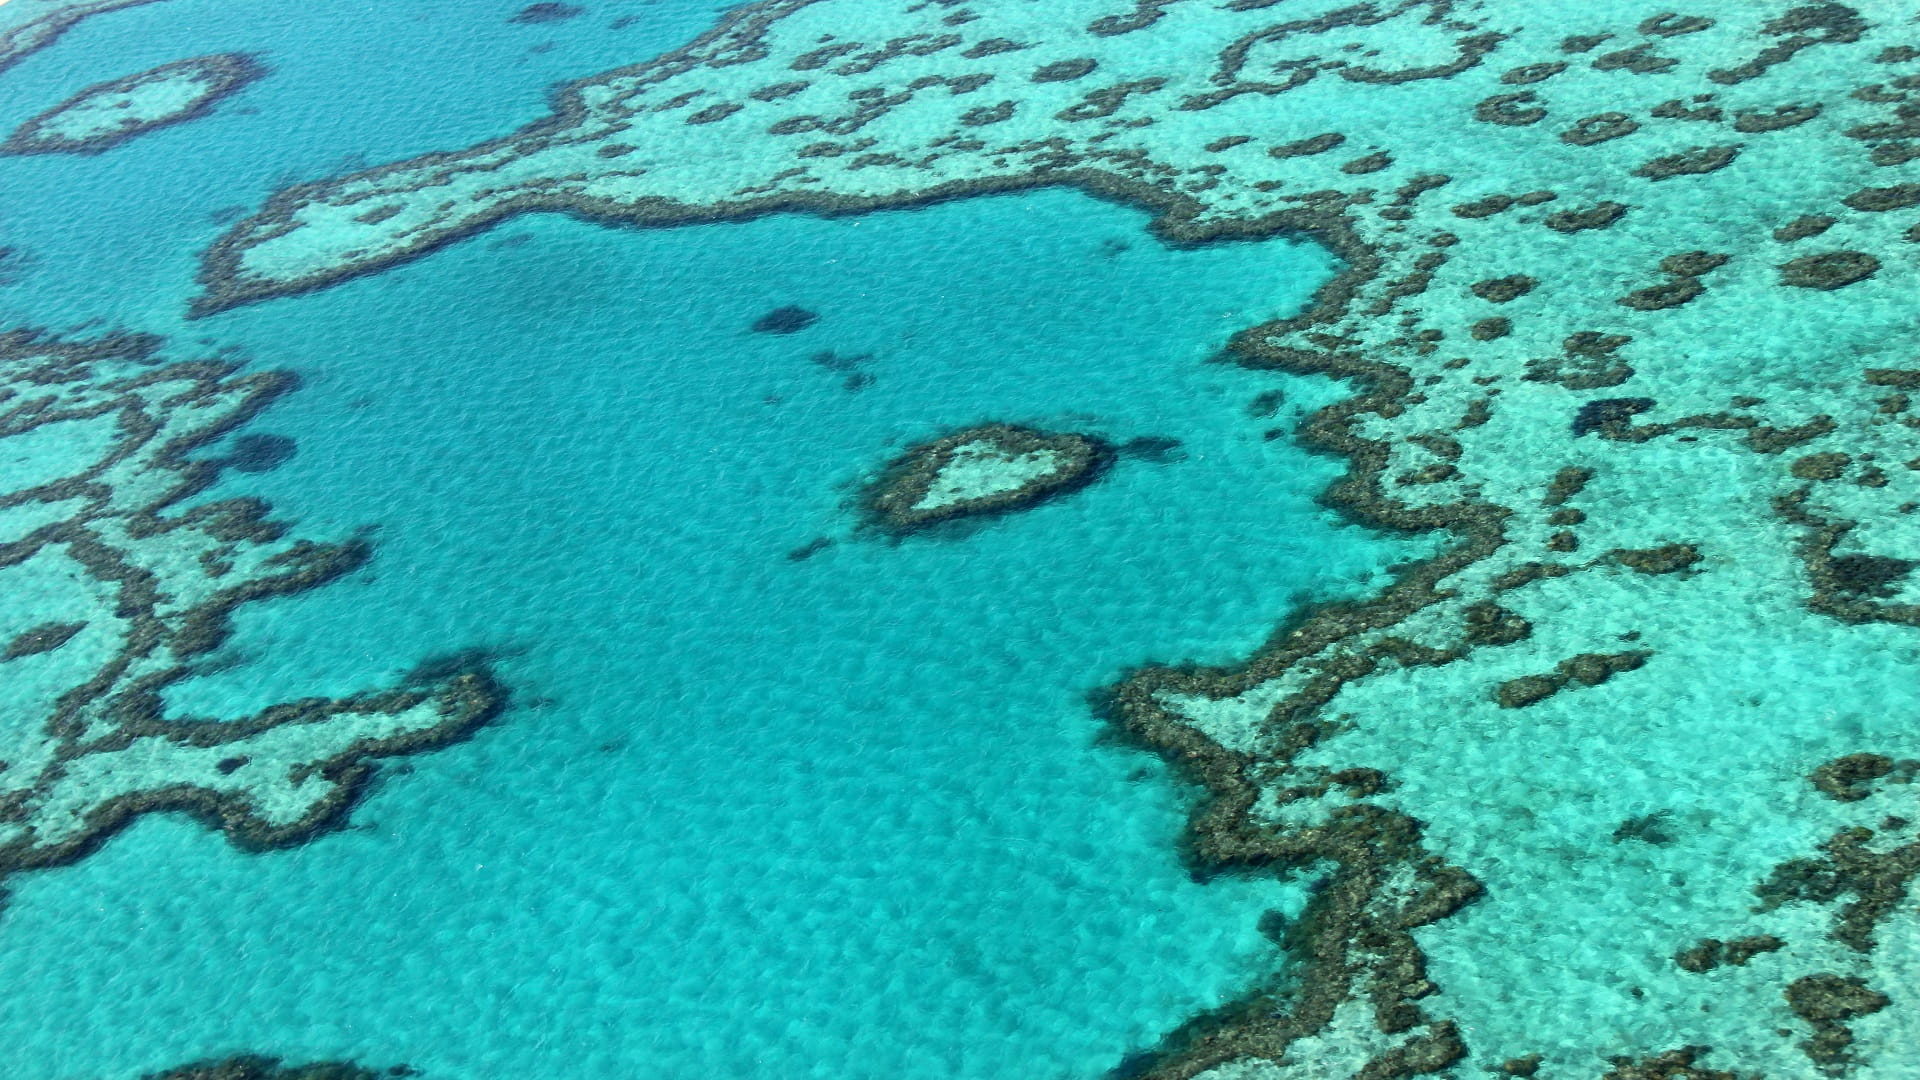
748 816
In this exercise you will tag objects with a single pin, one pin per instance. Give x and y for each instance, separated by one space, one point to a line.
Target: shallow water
747 814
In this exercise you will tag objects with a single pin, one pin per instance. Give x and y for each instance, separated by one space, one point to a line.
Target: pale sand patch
978 470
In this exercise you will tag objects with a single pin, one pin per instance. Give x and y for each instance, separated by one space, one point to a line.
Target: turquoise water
748 815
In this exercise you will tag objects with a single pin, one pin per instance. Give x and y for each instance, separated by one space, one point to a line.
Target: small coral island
988 469
105 115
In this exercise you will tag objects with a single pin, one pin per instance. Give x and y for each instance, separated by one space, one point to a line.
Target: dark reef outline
888 503
231 73
467 700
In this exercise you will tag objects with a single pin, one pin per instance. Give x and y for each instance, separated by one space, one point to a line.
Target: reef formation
118 577
982 470
103 116
1626 307
30 25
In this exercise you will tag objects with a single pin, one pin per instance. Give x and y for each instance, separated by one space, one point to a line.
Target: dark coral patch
1877 576
1640 59
41 639
1694 162
1502 290
1371 163
1599 128
1849 778
1597 216
1665 559
258 453
1154 449
1667 294
1881 199
1586 669
1065 70
1604 413
1829 270
546 12
1780 119
1533 73
256 1067
1804 227
1491 329
1511 110
785 320
1710 953
1671 25
1318 144
1826 1002
1694 263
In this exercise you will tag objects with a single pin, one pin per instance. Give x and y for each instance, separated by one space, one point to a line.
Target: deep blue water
748 816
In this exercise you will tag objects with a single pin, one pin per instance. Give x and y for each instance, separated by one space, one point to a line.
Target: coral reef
982 470
105 115
119 577
1599 411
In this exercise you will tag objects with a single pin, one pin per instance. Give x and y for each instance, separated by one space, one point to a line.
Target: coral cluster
118 576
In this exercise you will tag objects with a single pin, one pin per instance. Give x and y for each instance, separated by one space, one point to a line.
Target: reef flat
1626 309
107 114
30 25
117 579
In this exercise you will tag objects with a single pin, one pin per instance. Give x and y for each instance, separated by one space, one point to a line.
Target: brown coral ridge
465 703
225 74
1586 669
40 639
130 703
739 37
258 1067
1354 940
891 502
1176 222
